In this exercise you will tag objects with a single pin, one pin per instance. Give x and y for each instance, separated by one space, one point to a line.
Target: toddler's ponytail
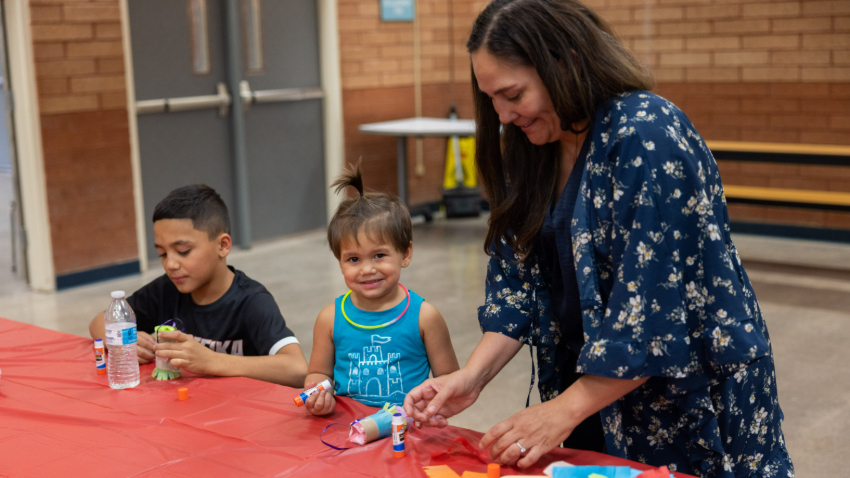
379 215
351 176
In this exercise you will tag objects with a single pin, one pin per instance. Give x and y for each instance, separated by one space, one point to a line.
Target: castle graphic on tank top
372 375
380 365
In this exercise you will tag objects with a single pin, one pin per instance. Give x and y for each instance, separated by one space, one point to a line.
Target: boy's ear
408 255
225 243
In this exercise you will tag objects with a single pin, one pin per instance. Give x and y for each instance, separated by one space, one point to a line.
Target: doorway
185 98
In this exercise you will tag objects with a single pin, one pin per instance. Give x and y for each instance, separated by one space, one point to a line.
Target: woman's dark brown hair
581 65
382 217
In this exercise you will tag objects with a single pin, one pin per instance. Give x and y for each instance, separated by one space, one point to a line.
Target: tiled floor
800 285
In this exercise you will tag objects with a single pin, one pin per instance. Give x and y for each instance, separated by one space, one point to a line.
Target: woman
610 252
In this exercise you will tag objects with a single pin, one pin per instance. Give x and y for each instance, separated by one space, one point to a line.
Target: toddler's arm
438 342
322 363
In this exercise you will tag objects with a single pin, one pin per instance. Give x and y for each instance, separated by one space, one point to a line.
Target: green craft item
164 370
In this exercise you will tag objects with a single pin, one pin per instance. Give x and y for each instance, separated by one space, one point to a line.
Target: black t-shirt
244 321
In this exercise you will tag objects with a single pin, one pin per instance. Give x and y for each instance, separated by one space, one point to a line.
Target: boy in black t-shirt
221 309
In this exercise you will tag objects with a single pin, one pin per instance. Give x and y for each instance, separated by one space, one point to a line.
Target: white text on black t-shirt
221 347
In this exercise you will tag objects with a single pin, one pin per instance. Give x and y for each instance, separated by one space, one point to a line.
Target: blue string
173 323
328 444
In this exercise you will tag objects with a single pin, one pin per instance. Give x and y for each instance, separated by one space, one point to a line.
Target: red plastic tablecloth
59 418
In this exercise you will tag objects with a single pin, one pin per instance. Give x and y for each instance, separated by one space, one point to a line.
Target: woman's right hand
437 399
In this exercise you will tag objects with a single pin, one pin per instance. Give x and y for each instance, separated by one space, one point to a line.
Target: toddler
379 340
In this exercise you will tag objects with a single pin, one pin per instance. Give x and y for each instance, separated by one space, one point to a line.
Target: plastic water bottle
122 364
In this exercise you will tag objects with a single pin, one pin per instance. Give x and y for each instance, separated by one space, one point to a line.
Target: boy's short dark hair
197 202
381 216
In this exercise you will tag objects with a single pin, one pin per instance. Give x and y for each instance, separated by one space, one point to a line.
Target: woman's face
519 97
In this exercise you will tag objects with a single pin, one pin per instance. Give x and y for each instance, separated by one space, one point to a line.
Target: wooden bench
806 154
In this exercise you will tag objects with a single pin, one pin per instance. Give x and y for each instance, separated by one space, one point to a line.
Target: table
417 127
59 418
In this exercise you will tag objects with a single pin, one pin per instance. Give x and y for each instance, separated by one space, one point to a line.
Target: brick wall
736 40
767 71
378 84
79 64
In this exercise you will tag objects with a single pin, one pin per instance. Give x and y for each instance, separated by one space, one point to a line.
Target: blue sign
397 10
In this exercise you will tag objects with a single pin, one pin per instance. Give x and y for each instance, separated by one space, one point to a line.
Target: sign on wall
397 10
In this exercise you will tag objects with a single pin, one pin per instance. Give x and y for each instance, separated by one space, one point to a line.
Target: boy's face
372 269
188 255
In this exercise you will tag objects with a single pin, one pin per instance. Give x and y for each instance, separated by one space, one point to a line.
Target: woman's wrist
491 355
571 407
475 378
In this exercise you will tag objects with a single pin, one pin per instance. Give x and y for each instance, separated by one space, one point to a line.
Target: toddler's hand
144 347
320 403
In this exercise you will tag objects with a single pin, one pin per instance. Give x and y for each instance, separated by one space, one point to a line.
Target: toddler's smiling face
372 269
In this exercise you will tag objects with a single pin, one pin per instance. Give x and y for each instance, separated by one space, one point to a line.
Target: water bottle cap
118 294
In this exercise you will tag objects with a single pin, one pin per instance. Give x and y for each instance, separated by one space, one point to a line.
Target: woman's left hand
538 429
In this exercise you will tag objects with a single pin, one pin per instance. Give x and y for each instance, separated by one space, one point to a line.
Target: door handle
246 94
277 96
288 94
220 100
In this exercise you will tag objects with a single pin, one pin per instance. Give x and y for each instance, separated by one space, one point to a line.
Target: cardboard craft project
376 426
164 370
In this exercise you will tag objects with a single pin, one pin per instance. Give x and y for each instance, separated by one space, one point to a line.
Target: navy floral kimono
662 295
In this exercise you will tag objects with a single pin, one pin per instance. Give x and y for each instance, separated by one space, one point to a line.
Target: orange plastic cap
494 470
398 454
183 393
101 371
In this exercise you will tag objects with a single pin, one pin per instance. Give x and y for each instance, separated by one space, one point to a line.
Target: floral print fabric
663 295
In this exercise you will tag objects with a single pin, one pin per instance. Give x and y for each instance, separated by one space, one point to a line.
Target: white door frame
332 85
27 124
334 145
135 159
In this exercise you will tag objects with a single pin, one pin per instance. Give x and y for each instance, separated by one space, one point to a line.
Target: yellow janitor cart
461 194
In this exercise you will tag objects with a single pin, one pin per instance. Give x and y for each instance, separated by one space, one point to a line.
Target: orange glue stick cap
494 470
183 393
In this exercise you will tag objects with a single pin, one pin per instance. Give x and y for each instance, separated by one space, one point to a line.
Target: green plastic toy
164 370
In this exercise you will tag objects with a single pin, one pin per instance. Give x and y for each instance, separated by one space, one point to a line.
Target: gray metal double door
185 102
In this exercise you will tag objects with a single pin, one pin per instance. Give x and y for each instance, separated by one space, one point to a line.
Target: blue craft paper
586 471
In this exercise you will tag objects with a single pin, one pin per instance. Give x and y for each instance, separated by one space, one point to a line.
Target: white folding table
419 128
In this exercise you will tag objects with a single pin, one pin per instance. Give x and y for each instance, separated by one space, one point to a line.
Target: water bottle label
121 334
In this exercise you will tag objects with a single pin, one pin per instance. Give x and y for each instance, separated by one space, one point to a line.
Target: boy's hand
322 402
144 347
187 353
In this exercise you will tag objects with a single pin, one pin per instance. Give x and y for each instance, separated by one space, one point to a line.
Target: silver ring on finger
521 449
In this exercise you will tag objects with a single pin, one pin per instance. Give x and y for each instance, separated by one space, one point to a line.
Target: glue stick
99 362
398 435
302 397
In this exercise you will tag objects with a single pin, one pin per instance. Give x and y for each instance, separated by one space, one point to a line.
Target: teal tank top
376 366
